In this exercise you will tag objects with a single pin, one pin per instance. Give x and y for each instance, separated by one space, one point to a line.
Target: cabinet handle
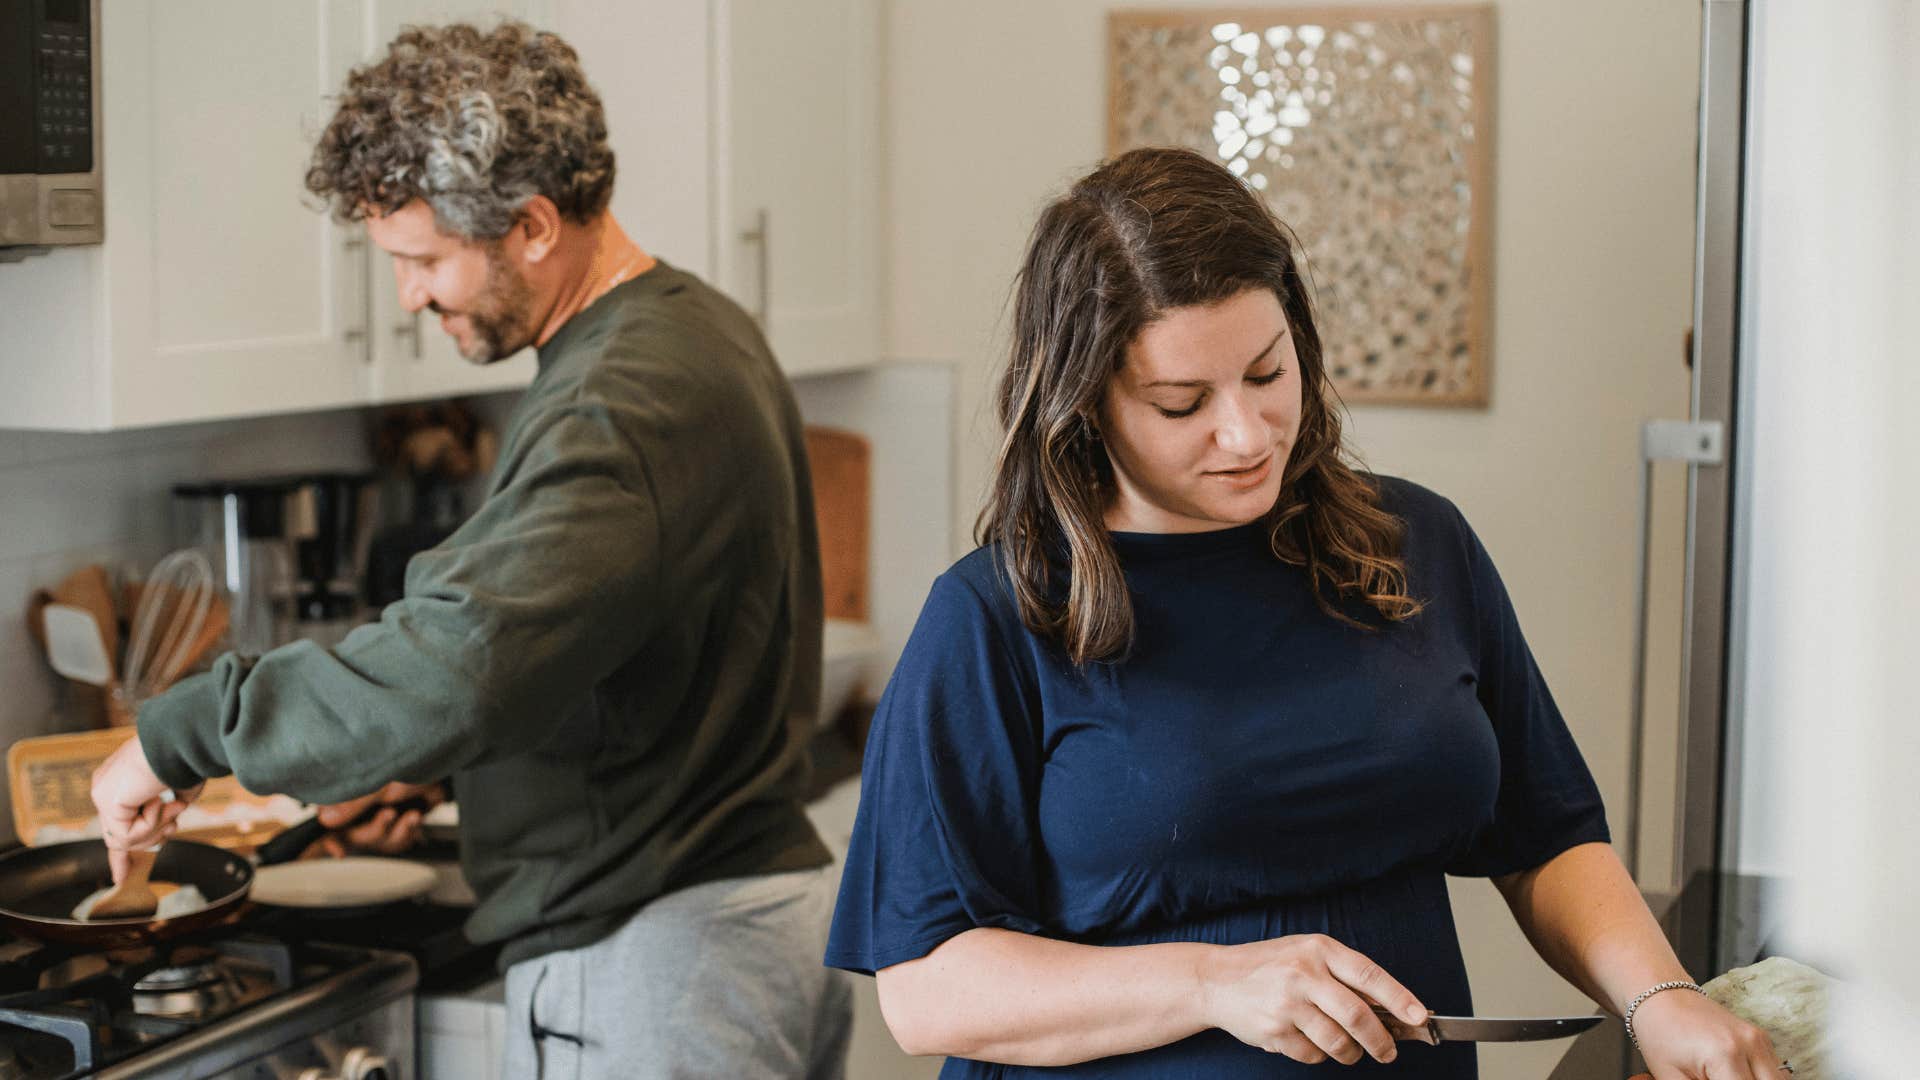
355 243
761 236
410 332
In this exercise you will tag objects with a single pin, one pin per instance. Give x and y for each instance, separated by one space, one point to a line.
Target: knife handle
1405 1032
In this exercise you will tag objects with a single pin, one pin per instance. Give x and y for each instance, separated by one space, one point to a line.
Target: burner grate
83 1011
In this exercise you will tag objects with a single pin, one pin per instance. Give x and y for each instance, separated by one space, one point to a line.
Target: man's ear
540 223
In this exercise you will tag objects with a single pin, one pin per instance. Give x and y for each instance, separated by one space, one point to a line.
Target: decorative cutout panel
1370 133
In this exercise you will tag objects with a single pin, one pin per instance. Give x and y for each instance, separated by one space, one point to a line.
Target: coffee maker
290 552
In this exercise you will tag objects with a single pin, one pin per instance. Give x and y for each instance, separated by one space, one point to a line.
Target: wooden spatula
133 897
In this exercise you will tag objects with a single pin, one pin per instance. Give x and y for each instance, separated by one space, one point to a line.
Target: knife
1439 1029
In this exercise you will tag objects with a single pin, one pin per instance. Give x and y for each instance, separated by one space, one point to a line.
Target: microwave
50 189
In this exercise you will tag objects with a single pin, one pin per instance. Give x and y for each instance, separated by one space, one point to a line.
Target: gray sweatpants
720 980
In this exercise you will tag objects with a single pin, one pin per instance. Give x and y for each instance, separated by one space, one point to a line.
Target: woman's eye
1271 377
1175 414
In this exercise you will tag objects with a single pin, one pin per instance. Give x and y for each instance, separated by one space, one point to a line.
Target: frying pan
40 886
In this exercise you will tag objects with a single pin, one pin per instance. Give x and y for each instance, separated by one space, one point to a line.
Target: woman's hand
1306 996
1688 1036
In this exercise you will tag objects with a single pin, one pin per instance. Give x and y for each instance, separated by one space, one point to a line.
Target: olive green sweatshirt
617 658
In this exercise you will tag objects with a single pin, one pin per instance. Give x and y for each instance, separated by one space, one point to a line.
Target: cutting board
840 462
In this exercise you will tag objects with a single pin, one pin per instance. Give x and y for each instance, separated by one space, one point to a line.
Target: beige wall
995 104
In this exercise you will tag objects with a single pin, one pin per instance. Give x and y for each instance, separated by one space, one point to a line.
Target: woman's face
1201 416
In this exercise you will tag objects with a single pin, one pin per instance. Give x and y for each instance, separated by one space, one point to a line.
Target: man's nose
413 291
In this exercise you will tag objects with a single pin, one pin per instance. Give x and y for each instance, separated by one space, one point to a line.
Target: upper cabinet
797 174
218 292
745 132
223 287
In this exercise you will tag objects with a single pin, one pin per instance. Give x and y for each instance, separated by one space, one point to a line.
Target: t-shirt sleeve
944 838
1548 801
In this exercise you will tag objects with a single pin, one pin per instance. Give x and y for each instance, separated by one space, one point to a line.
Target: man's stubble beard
500 315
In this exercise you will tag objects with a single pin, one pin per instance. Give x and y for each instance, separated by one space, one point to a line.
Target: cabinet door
797 174
226 292
651 63
412 357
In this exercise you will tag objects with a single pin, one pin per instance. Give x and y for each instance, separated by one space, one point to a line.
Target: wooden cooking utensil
133 897
92 695
91 587
37 603
74 647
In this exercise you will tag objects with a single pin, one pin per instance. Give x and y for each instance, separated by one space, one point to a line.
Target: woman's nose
1242 429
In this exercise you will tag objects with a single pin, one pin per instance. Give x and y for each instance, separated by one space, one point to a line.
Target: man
618 656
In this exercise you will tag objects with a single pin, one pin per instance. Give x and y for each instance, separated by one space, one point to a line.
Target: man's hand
136 809
387 831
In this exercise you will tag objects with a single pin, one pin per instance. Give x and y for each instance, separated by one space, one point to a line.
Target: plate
355 881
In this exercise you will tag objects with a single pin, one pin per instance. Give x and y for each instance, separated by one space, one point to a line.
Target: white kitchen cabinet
746 133
796 174
219 292
719 111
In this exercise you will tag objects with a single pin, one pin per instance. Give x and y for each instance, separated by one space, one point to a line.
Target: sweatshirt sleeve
542 593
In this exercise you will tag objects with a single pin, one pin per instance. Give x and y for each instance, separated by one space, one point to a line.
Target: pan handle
288 845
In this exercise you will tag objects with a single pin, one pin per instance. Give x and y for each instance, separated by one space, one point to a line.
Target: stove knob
363 1064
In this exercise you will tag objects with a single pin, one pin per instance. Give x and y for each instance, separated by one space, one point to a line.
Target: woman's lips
1250 477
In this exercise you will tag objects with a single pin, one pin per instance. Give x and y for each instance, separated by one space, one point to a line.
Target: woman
1170 774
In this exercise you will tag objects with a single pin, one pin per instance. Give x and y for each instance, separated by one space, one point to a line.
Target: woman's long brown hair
1150 231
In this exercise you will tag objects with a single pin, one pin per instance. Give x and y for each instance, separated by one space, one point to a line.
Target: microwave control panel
63 65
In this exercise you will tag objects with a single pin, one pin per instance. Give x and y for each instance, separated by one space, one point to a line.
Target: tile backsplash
70 499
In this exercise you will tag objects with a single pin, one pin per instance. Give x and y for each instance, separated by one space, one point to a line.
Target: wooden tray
51 778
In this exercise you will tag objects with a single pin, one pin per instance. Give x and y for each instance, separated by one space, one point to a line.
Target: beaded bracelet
1677 984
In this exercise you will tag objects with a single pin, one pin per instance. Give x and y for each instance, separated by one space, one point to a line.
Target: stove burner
191 990
181 977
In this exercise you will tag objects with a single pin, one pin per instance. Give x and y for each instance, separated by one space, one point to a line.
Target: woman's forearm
1588 921
1019 999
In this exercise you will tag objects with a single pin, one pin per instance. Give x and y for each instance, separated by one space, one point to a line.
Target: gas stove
224 1005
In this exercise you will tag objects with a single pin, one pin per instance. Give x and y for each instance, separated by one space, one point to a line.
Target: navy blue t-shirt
1253 768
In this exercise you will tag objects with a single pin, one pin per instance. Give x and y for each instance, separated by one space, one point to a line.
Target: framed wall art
1369 131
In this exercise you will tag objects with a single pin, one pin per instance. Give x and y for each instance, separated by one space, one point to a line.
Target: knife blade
1439 1029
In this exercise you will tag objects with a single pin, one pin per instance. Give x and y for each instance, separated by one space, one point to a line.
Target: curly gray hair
474 122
